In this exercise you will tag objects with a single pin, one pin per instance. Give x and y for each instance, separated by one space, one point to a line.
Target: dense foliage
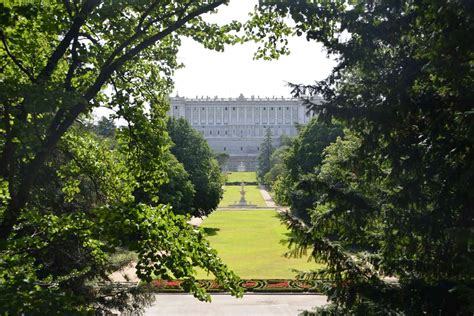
178 191
222 159
277 166
192 150
394 196
70 199
300 159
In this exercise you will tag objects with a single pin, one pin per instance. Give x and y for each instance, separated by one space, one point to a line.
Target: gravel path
127 274
196 221
266 196
250 304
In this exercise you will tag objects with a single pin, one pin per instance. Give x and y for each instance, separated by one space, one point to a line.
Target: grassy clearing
245 176
249 242
232 195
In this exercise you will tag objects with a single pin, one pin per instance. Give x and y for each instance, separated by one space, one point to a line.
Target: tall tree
75 58
222 159
178 191
63 196
105 127
193 151
393 201
304 157
306 150
277 166
264 158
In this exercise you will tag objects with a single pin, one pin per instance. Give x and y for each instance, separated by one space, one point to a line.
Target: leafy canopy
301 159
70 199
192 150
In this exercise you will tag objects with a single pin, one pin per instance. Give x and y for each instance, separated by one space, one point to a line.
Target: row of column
241 115
244 132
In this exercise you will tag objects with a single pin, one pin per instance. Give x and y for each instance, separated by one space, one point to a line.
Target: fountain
243 201
242 193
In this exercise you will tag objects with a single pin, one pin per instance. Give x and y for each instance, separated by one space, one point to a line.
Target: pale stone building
237 126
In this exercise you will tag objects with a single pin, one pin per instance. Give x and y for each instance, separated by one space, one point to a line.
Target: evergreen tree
264 158
393 197
222 159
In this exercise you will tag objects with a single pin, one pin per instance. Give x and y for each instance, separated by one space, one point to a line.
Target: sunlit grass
250 243
244 176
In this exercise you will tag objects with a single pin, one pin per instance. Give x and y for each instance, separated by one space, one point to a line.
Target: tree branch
8 145
78 21
14 59
382 115
73 66
62 120
89 37
145 14
67 5
140 31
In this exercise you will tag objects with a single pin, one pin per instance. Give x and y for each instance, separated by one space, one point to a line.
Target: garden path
267 197
250 304
126 274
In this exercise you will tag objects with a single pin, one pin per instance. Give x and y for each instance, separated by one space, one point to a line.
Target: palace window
241 148
279 108
226 132
225 148
264 108
218 132
210 132
287 108
271 108
203 109
175 107
233 109
225 109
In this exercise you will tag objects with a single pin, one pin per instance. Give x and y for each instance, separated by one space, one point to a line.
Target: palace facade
237 126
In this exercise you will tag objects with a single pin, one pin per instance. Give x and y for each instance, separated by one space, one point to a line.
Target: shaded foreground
279 305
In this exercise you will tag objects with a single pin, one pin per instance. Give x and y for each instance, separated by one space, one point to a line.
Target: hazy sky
229 73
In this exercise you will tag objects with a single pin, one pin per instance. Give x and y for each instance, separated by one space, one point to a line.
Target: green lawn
232 195
249 242
246 176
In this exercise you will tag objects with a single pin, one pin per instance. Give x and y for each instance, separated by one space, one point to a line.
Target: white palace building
237 126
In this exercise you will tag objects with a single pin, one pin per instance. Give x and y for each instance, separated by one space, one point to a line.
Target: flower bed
262 286
167 286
